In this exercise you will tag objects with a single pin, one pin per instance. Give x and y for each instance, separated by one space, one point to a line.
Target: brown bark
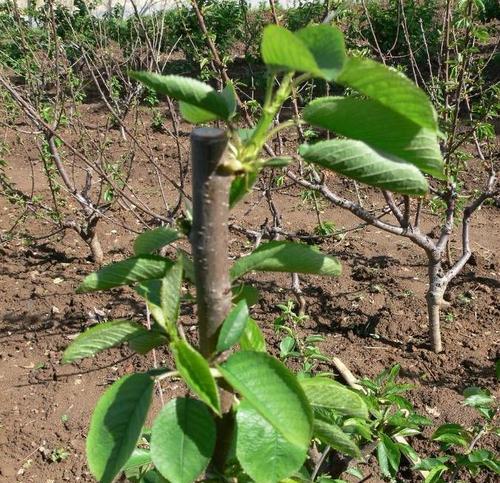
209 235
209 240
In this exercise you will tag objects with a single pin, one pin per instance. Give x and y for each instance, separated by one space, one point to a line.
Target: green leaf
333 436
241 186
153 240
152 476
196 115
245 292
116 425
452 434
434 475
480 455
190 91
284 256
359 161
182 440
102 336
317 49
390 88
327 393
264 454
163 297
272 390
229 96
252 338
379 127
326 44
138 458
383 460
150 290
148 341
283 51
195 371
126 272
477 397
171 295
233 327
393 453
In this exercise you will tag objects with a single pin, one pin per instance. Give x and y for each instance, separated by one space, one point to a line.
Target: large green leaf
233 326
326 43
333 436
264 454
116 425
182 440
391 88
153 240
102 336
282 50
170 293
195 371
379 127
284 256
272 390
359 161
190 91
326 393
252 338
317 49
126 272
389 455
196 115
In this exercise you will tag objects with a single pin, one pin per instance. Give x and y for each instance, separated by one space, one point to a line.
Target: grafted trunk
434 297
96 248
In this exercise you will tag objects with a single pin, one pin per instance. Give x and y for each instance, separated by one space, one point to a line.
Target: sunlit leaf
182 440
102 336
327 393
233 326
153 240
116 425
284 256
326 44
190 91
333 436
390 88
359 161
272 390
379 127
264 454
126 272
195 371
252 338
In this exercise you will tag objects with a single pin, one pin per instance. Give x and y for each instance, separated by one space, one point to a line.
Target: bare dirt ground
372 316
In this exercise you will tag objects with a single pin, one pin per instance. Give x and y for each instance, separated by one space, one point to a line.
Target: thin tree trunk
209 240
209 236
434 297
96 248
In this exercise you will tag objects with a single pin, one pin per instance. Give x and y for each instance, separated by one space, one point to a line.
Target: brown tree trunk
96 248
209 240
209 235
434 297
